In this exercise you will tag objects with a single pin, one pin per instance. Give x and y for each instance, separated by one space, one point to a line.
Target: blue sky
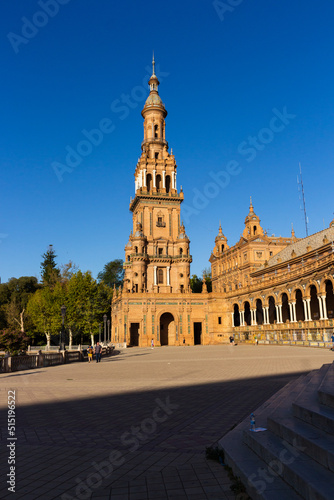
225 72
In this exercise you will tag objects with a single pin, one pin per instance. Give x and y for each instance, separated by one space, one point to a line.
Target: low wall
42 360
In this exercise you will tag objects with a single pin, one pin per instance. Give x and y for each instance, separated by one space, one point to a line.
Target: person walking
90 351
332 348
98 352
152 344
184 341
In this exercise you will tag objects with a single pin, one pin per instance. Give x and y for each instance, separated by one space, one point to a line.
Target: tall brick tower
156 302
157 255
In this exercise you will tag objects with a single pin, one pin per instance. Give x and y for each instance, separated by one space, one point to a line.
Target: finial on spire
153 65
220 228
251 208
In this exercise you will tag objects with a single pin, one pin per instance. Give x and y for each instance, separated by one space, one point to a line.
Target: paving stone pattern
158 409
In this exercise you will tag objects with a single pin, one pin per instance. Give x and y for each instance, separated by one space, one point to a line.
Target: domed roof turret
220 236
139 230
182 233
252 215
154 100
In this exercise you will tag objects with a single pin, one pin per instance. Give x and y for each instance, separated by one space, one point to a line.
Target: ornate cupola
221 241
154 114
252 224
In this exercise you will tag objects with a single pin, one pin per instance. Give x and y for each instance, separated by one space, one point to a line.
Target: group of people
97 351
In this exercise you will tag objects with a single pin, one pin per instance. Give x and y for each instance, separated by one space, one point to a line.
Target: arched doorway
248 319
272 310
285 308
300 313
167 329
259 312
329 299
236 315
315 310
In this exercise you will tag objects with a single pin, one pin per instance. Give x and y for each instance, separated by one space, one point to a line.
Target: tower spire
153 65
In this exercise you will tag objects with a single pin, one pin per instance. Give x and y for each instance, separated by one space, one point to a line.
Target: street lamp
105 327
62 333
100 333
108 336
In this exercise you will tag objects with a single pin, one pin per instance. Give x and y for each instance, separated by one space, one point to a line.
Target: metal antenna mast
301 188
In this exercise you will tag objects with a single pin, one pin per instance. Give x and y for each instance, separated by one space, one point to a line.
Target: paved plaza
136 425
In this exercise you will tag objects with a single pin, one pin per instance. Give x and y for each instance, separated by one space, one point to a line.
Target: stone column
168 275
144 177
154 178
309 309
278 317
233 325
155 275
291 311
242 318
253 316
320 307
305 310
294 312
173 181
324 305
164 179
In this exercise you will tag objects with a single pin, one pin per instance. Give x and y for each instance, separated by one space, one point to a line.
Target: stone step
283 398
313 442
326 389
308 478
314 413
259 480
247 465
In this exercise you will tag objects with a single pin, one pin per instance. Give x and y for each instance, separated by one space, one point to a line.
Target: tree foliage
50 273
14 297
196 283
86 302
112 274
13 341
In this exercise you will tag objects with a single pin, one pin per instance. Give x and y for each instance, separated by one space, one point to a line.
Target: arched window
149 182
329 299
128 258
136 249
156 128
181 251
160 276
254 229
222 248
158 182
167 182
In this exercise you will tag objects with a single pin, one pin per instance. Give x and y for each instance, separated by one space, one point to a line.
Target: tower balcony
154 140
158 258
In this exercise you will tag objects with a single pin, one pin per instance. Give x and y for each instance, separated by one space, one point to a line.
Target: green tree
14 297
50 273
44 310
112 274
196 283
208 278
86 301
13 341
